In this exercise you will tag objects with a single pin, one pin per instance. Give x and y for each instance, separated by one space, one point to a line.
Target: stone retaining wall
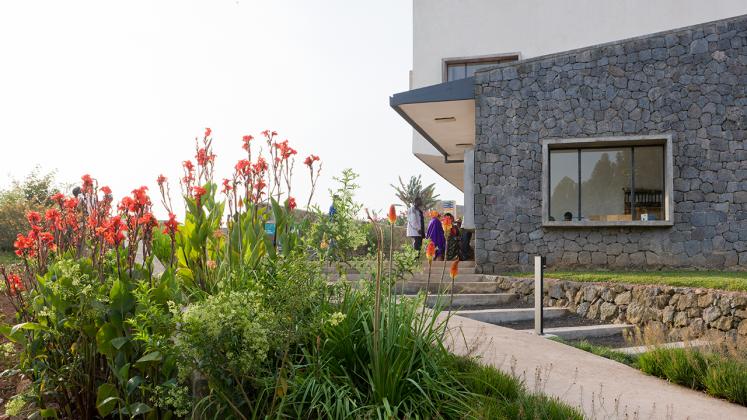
685 312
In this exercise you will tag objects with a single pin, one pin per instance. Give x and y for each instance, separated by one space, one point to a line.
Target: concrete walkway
601 388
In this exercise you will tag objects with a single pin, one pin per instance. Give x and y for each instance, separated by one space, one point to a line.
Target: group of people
456 247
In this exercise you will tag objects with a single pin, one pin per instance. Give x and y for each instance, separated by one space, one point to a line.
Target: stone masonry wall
685 313
690 83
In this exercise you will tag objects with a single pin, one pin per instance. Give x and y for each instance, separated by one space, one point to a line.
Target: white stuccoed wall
463 28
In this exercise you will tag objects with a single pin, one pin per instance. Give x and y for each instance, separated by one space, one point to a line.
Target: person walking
415 225
436 235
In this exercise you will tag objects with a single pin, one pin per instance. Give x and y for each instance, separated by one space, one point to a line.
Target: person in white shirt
415 224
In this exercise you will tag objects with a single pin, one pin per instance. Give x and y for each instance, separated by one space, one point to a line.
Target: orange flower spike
454 269
430 251
392 214
446 224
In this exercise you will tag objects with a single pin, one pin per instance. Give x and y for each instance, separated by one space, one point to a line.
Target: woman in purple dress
436 234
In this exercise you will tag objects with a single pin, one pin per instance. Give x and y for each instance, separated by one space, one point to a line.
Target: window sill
590 223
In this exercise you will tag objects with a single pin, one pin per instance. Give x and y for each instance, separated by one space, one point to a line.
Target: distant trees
33 193
408 193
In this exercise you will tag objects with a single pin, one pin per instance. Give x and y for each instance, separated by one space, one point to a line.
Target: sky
120 90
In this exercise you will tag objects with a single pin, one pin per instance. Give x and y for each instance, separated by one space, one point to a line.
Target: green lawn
724 280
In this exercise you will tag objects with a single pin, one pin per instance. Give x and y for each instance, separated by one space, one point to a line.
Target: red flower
106 190
53 218
58 198
446 224
392 214
208 131
15 283
226 185
25 245
71 203
243 167
203 158
454 269
291 203
188 166
198 192
246 140
310 160
161 179
171 226
113 231
33 217
261 166
430 251
87 183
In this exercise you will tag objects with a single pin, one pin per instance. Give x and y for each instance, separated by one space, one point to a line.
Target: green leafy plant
414 191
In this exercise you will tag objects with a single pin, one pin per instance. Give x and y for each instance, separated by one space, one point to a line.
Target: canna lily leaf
104 338
136 409
118 342
151 357
133 384
107 398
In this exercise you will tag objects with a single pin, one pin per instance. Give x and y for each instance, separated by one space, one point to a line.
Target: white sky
120 89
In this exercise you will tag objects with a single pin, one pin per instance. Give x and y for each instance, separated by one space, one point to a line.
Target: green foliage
413 190
496 395
720 375
337 237
30 194
606 352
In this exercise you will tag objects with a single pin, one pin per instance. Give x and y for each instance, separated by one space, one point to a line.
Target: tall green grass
717 374
406 373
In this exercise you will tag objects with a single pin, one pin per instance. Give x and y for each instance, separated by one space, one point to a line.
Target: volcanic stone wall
689 83
683 312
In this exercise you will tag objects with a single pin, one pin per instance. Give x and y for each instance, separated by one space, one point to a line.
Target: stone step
587 331
434 264
498 316
412 287
472 300
422 277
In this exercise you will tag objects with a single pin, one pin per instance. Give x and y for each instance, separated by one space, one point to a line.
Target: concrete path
601 388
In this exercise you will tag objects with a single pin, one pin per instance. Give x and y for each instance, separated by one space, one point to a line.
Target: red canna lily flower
87 183
226 186
161 180
106 190
208 131
171 226
15 283
291 203
198 192
33 217
430 251
454 269
58 198
310 160
392 214
246 140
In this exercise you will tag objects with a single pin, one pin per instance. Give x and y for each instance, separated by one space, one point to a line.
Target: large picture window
600 182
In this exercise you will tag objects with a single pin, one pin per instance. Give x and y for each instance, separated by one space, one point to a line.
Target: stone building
626 154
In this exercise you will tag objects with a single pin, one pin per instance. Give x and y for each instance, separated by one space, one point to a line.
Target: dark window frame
665 141
493 58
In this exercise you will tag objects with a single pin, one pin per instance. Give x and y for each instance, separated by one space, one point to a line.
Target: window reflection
605 178
616 184
564 185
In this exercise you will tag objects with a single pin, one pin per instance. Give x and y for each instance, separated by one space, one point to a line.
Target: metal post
539 280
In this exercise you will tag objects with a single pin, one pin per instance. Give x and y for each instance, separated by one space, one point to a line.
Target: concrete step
473 300
460 277
674 345
413 287
587 331
498 316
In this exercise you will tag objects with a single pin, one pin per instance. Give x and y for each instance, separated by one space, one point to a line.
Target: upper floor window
461 68
607 182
